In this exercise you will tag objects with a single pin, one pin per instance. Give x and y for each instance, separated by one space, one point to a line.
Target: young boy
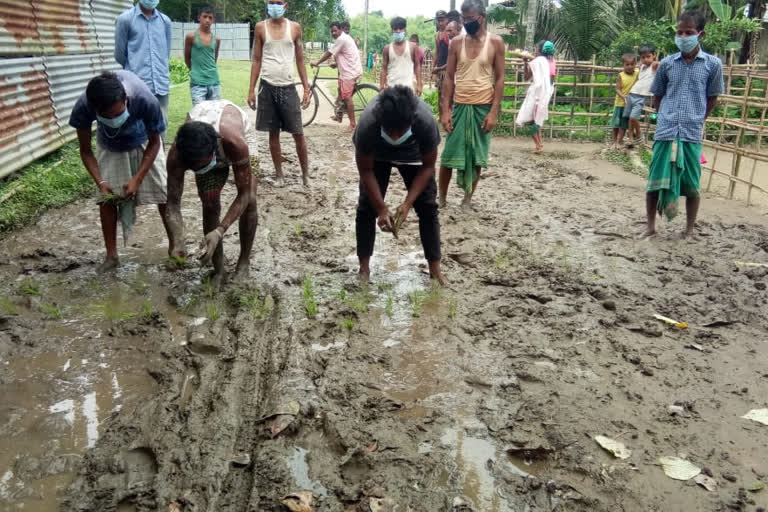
200 55
640 92
685 91
624 82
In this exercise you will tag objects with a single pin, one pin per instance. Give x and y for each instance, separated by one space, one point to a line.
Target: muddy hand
209 244
489 123
386 222
252 100
130 189
305 101
447 122
105 189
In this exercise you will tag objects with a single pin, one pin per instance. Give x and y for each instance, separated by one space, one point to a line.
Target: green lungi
673 179
467 146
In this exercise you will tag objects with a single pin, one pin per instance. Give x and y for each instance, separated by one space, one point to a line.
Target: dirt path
148 390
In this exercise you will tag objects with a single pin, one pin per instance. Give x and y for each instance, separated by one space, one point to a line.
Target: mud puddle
486 395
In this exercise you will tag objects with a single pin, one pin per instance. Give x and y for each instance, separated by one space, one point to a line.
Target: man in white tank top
209 143
277 48
401 64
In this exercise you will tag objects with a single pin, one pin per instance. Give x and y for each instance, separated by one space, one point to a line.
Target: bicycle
362 96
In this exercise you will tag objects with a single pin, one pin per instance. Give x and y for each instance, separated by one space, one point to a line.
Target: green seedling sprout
310 302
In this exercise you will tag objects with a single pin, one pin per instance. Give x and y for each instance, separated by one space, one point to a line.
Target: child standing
201 51
640 92
624 83
685 91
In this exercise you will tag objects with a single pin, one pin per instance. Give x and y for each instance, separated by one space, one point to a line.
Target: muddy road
149 391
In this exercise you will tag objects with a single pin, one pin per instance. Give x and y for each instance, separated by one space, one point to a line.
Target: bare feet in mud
648 233
442 203
217 280
466 205
305 179
436 274
242 271
107 265
279 181
364 275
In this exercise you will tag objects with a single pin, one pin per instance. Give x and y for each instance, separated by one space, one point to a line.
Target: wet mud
148 390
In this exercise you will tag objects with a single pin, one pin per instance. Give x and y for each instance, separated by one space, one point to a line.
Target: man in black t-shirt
397 130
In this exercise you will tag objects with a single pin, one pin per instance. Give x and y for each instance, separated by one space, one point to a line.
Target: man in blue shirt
129 163
685 91
143 46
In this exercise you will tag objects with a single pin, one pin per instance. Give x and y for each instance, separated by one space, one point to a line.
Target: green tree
581 28
380 33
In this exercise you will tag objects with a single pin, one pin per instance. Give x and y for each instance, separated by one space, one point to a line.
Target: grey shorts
635 104
279 109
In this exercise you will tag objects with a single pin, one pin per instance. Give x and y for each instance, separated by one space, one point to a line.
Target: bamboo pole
737 160
591 98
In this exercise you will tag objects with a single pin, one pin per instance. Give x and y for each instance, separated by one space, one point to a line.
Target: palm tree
530 23
583 27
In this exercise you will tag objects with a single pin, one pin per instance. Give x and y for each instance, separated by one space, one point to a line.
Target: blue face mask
275 10
208 167
398 37
149 4
392 142
687 44
115 122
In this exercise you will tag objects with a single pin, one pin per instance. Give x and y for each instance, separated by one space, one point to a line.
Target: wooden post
737 161
517 106
591 96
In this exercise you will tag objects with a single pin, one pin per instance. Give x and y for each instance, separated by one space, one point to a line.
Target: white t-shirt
644 80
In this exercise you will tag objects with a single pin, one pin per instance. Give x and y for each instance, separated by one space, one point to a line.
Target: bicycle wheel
363 95
308 114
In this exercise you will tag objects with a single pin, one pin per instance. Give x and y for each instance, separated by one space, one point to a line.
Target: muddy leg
108 214
301 150
351 113
277 157
211 213
467 202
249 220
445 181
163 210
651 202
365 220
691 211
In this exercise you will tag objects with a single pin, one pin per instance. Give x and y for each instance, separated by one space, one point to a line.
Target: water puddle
299 469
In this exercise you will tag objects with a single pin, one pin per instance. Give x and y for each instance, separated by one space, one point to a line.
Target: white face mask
207 167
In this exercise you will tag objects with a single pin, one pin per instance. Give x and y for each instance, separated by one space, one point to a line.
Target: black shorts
279 109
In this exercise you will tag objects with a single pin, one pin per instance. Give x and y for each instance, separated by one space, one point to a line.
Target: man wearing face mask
143 46
401 64
129 161
475 81
397 130
685 91
277 49
209 143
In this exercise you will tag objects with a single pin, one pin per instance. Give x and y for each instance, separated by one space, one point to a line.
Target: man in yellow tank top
475 80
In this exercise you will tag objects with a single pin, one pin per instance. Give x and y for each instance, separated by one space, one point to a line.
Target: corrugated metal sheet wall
49 50
235 39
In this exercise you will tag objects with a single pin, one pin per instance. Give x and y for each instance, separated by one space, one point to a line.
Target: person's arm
218 45
416 67
449 83
659 86
498 88
237 151
715 86
368 180
168 35
188 42
176 241
325 57
299 49
527 72
618 87
384 66
89 160
258 48
147 160
122 26
420 182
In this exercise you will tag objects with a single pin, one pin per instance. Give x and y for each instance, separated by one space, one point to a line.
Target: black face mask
472 27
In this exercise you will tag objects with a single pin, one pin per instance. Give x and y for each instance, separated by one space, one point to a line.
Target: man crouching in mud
212 140
129 162
397 130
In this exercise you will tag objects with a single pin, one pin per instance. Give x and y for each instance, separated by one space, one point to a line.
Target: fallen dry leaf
616 448
679 469
298 501
706 482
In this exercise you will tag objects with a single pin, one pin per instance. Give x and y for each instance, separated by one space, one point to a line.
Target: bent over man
397 130
209 143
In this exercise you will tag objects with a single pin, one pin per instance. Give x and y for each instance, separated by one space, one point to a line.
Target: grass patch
646 156
416 298
51 311
146 309
30 287
452 308
258 307
212 311
7 306
389 308
347 323
621 159
308 294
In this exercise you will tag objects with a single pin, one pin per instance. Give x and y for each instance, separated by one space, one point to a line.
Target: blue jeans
201 93
164 101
